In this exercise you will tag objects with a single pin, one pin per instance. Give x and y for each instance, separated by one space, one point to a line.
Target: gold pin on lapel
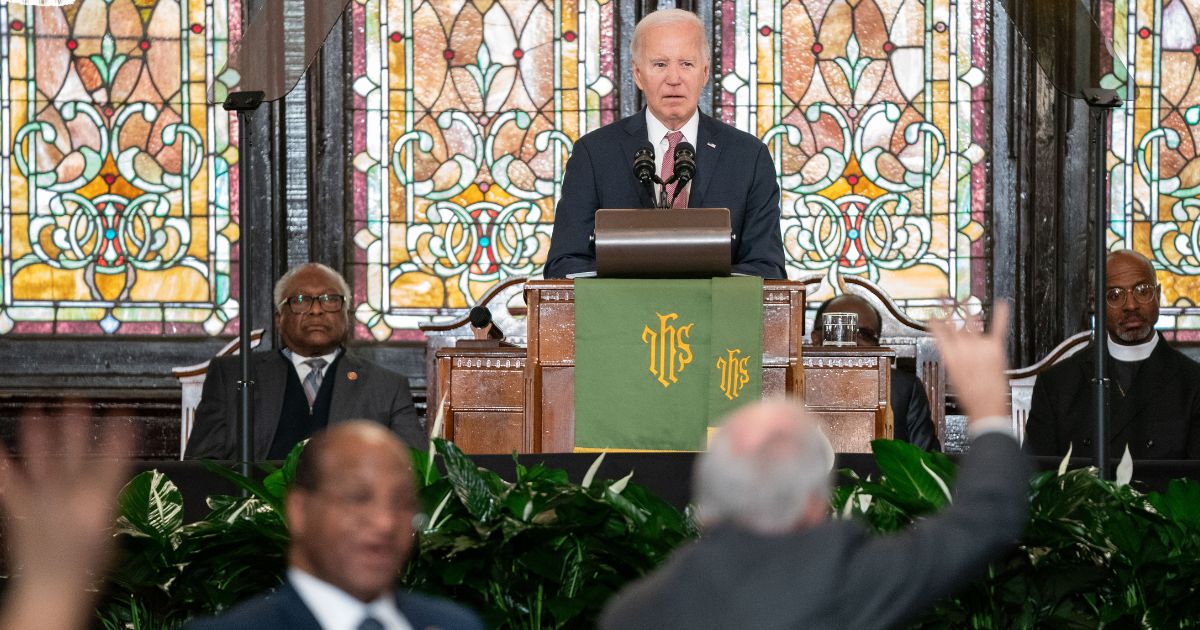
353 376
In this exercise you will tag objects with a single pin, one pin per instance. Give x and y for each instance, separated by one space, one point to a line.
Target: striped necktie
312 382
668 169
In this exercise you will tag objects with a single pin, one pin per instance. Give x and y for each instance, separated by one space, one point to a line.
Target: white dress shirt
336 609
657 133
302 369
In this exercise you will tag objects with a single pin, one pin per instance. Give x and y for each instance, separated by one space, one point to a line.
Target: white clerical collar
336 609
656 130
1130 354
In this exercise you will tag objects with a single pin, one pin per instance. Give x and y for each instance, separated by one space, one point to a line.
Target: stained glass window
464 116
877 113
1153 159
118 214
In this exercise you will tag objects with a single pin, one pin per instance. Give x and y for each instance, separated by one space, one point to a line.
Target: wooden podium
498 400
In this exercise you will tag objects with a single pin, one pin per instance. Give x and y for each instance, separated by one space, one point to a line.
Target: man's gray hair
667 17
283 281
768 487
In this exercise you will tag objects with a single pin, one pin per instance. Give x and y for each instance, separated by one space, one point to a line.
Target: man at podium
733 169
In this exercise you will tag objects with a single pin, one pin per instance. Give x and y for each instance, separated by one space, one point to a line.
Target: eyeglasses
1143 293
300 304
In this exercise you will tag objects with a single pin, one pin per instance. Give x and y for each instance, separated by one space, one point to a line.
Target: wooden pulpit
497 400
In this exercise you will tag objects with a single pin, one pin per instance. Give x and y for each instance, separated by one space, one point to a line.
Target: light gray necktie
370 623
312 382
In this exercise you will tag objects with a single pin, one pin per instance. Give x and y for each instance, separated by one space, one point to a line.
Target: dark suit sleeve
1040 427
211 430
918 419
403 416
571 249
892 577
760 250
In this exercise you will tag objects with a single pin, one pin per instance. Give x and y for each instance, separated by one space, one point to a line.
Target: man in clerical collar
1154 392
350 517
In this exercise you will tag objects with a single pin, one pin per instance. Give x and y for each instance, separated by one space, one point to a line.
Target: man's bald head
1131 297
766 470
351 507
869 324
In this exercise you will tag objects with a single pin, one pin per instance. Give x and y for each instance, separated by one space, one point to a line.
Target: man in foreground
349 514
911 419
310 383
734 170
771 558
1154 390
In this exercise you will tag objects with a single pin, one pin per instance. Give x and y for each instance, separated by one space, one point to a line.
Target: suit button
1087 441
1149 443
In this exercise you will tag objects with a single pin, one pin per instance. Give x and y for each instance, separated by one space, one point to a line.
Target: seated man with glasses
308 384
1154 390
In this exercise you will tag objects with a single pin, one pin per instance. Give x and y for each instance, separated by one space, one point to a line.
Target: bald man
911 419
770 557
1154 391
350 516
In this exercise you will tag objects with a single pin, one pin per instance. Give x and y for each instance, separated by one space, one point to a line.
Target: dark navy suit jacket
283 609
733 170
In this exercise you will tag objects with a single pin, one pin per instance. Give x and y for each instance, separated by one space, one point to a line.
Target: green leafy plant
168 572
539 552
1094 554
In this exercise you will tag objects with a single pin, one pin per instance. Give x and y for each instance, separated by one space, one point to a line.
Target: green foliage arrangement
1094 554
542 552
538 552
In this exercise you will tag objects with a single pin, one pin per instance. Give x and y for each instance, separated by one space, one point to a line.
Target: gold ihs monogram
670 351
734 375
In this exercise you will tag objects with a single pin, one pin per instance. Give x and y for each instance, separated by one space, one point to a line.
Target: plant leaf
151 505
591 471
1062 466
469 485
1125 469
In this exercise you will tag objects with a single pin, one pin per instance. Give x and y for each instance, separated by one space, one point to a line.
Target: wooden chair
191 378
1021 380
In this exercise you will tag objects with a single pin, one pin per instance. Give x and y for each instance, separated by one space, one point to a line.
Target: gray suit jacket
837 574
362 390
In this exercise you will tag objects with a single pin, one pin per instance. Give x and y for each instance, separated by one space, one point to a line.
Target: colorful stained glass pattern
464 117
1153 159
117 213
877 113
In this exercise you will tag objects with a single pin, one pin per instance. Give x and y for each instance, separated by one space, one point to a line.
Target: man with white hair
771 558
734 170
308 384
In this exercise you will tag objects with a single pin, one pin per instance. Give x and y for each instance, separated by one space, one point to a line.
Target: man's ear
637 77
294 505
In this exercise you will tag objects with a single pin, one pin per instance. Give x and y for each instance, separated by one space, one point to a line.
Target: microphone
685 164
685 168
643 164
481 320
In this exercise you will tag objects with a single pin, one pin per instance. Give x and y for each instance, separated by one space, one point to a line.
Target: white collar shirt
1138 352
657 134
302 368
336 609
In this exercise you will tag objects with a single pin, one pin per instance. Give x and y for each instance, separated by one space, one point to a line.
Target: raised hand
975 362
